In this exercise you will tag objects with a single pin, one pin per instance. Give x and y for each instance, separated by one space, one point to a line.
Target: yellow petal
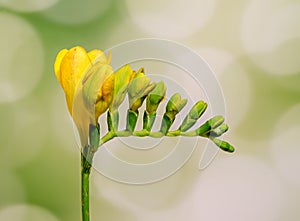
108 88
104 101
92 86
57 63
97 55
100 107
105 95
73 66
86 110
97 75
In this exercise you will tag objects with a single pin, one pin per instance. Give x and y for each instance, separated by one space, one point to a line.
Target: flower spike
92 88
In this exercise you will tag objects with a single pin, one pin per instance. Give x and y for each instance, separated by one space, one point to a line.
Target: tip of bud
197 110
216 121
141 70
175 105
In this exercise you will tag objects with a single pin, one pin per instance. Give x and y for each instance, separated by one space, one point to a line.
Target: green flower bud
138 84
195 113
155 97
210 124
223 145
218 131
123 78
138 90
215 121
197 110
175 105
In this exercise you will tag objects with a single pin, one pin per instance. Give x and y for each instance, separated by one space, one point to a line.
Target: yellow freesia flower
88 82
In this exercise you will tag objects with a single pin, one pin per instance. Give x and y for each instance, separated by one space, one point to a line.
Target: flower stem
85 175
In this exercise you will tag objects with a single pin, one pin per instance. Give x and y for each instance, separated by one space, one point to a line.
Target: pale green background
253 47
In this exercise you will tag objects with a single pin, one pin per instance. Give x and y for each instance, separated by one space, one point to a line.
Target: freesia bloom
88 82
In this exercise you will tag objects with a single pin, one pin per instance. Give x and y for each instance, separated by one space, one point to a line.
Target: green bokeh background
253 46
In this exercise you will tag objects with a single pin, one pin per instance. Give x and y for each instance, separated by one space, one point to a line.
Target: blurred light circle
285 149
137 199
234 82
77 12
289 119
234 188
21 58
27 5
171 19
122 31
25 212
11 190
271 35
27 132
286 152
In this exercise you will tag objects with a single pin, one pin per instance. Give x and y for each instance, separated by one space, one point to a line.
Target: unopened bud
123 77
195 113
218 131
175 105
197 110
138 90
155 97
223 145
210 124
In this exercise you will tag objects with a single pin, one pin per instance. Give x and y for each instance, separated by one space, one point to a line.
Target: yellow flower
88 82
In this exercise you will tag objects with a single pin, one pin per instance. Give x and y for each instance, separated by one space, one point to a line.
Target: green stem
107 137
85 175
87 156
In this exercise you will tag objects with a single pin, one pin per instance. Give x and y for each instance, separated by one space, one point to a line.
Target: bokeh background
252 46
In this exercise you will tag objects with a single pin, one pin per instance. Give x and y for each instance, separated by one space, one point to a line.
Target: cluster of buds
93 88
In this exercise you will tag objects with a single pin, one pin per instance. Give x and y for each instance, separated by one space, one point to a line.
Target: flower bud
197 110
175 105
123 78
155 97
218 131
223 145
98 99
138 90
195 113
210 124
